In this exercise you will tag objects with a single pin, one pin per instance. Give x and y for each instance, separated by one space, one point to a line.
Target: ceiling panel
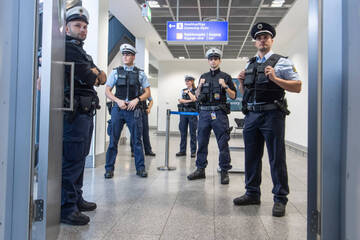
242 14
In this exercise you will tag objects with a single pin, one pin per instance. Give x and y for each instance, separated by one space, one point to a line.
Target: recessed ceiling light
277 3
153 4
181 57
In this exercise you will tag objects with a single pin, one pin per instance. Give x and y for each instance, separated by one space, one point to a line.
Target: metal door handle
72 78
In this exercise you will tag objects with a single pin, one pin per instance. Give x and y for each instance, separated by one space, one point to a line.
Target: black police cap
262 28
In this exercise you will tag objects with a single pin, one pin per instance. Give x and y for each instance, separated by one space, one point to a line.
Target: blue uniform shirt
144 82
284 68
114 76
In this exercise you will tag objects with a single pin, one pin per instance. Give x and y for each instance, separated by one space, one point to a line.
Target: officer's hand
121 104
148 111
202 81
222 82
132 104
270 73
186 91
241 77
102 78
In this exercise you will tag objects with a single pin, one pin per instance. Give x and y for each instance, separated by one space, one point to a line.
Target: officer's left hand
132 104
148 111
222 82
102 77
270 73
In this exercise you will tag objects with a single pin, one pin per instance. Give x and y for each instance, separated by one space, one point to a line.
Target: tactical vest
188 107
127 84
212 94
258 87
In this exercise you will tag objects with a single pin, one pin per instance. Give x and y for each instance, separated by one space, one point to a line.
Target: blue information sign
197 32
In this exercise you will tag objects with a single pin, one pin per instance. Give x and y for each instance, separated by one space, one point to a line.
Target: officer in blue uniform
78 124
263 86
145 133
128 80
187 103
211 95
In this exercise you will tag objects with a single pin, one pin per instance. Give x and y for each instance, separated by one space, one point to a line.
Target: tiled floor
168 206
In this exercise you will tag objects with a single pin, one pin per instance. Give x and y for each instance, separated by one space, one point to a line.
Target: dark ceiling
240 14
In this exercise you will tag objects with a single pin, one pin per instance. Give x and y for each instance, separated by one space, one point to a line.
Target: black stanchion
166 167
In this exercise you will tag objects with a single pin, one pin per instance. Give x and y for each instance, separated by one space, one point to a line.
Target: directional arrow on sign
171 25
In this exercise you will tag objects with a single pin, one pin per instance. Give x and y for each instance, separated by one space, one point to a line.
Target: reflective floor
168 206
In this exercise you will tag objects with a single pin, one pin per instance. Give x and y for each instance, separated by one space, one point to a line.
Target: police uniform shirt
182 92
284 68
111 81
84 77
227 78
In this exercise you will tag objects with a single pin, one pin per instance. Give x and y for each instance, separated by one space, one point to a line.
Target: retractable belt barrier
166 167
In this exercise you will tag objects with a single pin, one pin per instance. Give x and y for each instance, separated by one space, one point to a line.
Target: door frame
18 19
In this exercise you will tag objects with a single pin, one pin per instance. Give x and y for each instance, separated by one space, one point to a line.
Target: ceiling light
181 57
277 3
153 4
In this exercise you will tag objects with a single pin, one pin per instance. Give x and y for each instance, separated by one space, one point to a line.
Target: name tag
213 115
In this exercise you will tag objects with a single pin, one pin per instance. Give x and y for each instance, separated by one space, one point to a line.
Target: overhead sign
197 32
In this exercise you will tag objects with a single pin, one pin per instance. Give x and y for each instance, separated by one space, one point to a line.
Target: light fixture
181 58
277 3
153 4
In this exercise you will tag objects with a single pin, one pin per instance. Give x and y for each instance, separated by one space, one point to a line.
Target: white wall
292 40
171 82
96 45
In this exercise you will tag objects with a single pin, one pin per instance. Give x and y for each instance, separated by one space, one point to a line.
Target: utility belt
82 105
277 105
225 107
183 108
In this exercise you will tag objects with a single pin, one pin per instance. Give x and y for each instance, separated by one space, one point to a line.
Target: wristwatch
139 99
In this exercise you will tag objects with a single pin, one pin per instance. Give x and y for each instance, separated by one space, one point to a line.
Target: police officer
78 124
146 107
211 95
263 86
128 80
187 103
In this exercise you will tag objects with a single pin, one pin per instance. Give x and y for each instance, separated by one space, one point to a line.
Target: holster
282 105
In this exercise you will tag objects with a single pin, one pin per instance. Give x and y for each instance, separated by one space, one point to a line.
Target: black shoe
193 155
109 174
85 206
224 177
132 154
179 154
278 209
246 200
142 173
199 173
151 153
76 219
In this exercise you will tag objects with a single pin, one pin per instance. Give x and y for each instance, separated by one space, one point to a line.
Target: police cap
127 48
213 52
189 78
77 13
262 28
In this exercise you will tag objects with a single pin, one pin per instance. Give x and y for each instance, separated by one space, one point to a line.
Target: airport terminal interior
173 44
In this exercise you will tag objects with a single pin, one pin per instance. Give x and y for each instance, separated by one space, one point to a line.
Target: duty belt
210 108
262 107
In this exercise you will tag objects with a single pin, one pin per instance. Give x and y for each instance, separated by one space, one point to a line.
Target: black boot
109 174
76 219
246 200
142 173
224 177
278 209
179 154
132 154
193 154
85 206
199 173
151 153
